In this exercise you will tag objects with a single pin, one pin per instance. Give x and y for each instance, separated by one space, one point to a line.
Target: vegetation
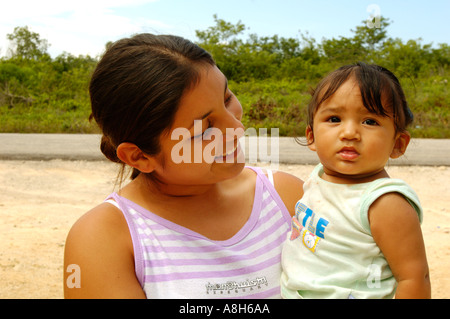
40 94
271 76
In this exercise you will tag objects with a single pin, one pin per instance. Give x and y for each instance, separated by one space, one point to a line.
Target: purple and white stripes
175 262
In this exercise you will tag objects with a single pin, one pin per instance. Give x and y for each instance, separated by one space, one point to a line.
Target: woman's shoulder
99 243
101 230
288 186
103 217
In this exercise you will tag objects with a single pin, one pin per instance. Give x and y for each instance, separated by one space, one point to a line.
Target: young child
194 228
356 232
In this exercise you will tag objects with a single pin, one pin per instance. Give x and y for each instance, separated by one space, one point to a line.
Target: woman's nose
233 129
232 126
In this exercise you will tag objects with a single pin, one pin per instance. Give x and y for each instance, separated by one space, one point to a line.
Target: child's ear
401 143
310 138
132 155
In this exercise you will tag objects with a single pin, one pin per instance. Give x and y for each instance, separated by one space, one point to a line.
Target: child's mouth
348 153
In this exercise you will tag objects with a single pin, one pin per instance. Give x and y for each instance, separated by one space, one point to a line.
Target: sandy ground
40 200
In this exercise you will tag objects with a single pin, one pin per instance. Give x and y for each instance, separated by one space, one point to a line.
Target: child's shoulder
390 196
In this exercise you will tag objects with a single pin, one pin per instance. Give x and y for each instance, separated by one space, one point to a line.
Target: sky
83 27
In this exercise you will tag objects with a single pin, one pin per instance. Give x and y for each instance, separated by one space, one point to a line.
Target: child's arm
396 230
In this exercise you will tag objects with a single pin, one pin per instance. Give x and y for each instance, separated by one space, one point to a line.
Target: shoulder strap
265 172
270 176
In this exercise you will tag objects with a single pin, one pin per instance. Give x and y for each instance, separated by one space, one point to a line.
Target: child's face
353 144
209 104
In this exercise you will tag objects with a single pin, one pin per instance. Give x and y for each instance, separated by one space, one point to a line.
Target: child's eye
370 122
334 119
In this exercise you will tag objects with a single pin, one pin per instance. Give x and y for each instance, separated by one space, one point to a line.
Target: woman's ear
401 143
310 138
132 155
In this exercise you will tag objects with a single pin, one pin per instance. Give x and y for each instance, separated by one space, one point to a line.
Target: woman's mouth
229 156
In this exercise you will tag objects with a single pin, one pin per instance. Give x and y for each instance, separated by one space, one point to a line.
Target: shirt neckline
236 238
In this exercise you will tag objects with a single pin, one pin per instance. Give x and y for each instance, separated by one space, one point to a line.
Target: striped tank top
174 262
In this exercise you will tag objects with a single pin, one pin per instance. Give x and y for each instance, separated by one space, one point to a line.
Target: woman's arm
396 230
290 189
100 248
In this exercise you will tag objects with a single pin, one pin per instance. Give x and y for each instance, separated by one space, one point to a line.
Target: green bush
271 76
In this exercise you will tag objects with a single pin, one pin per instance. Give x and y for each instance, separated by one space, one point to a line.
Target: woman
189 229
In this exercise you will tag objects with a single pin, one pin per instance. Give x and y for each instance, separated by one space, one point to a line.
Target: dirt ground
40 200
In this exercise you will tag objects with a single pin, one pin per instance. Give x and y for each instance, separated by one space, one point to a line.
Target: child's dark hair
137 86
376 84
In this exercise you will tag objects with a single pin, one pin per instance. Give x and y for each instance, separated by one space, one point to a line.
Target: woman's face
202 146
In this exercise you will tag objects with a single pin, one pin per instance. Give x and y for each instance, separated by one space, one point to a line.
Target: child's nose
350 131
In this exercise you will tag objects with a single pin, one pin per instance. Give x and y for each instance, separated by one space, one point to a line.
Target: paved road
428 152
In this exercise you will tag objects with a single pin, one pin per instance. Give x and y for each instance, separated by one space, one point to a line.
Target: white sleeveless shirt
330 252
174 262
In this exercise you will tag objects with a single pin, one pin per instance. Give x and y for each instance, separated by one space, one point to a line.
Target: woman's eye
228 99
205 133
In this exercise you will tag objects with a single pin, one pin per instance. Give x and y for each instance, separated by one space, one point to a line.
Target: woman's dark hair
137 86
377 86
